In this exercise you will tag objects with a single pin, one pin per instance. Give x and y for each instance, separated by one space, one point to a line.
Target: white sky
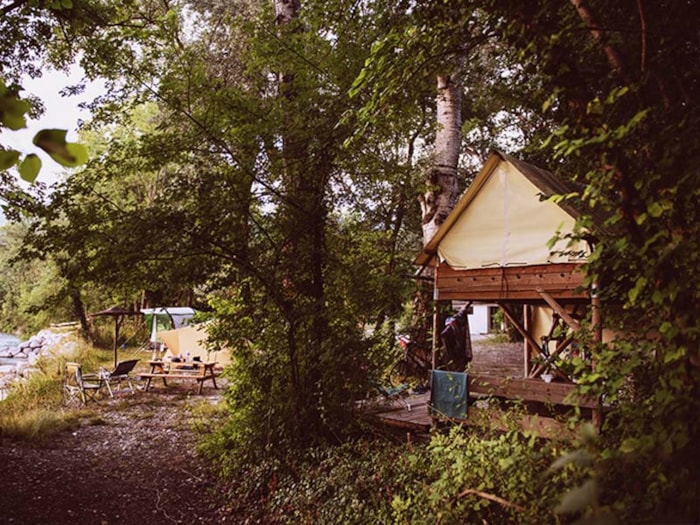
61 113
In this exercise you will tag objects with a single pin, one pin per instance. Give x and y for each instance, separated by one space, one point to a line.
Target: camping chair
81 386
119 374
392 394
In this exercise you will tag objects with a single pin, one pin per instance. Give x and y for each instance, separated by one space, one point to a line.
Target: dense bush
458 477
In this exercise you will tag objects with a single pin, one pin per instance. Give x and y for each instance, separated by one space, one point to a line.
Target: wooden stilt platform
417 418
498 381
410 412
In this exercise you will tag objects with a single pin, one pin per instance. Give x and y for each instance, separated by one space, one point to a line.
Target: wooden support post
597 327
436 315
527 348
517 325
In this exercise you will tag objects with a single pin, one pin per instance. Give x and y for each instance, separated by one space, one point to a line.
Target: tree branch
612 54
643 22
13 5
491 497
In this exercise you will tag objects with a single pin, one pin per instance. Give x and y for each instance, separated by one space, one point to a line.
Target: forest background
262 162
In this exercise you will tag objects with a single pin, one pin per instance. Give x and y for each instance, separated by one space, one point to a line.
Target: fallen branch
159 508
491 497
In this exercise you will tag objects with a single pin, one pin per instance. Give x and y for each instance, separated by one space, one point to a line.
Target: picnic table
192 370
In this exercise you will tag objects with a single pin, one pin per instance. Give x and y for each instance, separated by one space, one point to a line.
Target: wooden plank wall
516 283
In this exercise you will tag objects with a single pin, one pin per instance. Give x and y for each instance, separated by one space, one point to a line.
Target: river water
8 340
6 364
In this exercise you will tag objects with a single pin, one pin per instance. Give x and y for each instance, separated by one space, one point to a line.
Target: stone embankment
18 362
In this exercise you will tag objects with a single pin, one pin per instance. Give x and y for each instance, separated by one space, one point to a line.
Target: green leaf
8 158
12 110
639 286
595 107
578 457
29 168
577 499
655 209
78 151
616 93
641 218
629 445
589 433
53 142
668 329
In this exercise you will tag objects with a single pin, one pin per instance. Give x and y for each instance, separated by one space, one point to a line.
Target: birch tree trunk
440 196
441 192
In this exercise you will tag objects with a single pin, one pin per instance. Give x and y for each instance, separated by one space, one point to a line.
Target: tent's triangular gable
504 219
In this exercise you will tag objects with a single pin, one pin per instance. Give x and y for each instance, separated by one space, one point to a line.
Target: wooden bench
192 370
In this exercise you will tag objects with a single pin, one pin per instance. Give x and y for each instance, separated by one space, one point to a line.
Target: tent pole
116 337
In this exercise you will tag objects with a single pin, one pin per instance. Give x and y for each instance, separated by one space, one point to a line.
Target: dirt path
133 462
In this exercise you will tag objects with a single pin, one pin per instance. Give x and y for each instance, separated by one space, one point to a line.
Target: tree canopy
266 165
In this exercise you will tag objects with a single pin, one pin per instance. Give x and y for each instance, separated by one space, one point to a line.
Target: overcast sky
61 113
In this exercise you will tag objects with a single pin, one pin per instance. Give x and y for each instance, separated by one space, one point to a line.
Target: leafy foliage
619 114
276 179
52 141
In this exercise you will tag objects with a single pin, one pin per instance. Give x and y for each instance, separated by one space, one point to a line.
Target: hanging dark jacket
455 336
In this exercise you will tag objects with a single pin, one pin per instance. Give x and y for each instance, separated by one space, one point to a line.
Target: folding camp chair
81 386
119 374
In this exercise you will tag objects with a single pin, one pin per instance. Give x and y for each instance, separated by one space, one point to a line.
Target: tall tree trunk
304 213
611 53
440 196
441 192
79 312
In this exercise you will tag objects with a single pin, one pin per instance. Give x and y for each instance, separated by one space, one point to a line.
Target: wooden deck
496 372
410 412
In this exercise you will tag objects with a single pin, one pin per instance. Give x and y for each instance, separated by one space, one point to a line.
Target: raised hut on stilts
508 242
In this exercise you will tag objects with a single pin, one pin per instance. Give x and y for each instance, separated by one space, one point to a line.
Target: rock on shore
23 357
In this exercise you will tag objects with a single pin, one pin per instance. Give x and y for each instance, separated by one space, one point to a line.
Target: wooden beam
560 347
518 326
573 323
436 316
513 283
527 389
527 347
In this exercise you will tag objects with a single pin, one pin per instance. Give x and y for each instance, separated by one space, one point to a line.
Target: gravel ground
132 461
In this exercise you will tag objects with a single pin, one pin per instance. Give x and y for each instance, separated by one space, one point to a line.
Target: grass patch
37 425
499 337
207 417
34 408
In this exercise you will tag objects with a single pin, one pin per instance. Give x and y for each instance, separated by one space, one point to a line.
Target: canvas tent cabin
496 248
192 340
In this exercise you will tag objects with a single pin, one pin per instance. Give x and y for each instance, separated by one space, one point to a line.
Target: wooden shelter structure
118 313
499 246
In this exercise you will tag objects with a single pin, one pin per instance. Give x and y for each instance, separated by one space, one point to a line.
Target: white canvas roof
502 220
179 314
